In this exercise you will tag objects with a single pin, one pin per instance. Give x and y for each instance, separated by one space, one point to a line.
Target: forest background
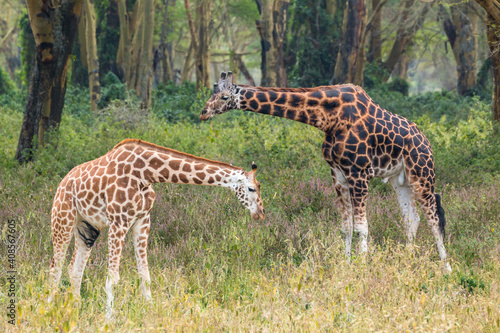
78 76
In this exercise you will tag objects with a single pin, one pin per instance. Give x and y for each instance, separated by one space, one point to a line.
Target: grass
215 269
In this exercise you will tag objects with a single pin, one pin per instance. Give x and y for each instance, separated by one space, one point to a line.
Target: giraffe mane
170 151
278 89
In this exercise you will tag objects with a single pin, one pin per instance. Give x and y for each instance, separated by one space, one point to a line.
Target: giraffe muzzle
204 116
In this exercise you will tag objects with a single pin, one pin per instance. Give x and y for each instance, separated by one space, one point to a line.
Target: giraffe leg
344 199
140 233
116 239
359 189
427 200
407 205
85 237
62 231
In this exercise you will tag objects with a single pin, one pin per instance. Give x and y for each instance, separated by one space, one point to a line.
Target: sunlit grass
215 269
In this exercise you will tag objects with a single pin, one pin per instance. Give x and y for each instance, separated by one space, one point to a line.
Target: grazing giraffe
115 191
362 141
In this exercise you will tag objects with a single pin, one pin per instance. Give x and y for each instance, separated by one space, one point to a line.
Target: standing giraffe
362 141
115 191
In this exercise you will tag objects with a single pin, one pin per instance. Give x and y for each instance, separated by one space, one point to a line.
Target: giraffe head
247 190
224 97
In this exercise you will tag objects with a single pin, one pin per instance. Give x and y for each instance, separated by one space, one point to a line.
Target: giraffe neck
312 106
156 164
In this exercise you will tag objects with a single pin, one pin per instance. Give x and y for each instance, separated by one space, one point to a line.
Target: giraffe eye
225 97
251 189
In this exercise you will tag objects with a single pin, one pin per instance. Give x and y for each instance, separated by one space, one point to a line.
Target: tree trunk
407 27
375 51
350 59
48 81
92 60
146 60
493 37
280 17
188 64
168 74
269 57
122 57
203 51
401 69
460 33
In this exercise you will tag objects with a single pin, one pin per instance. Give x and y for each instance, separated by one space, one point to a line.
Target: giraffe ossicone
362 141
115 191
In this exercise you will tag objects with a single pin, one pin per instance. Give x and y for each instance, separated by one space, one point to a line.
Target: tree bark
375 51
168 74
460 33
493 37
350 58
280 18
92 60
269 58
407 27
146 60
54 28
122 57
203 51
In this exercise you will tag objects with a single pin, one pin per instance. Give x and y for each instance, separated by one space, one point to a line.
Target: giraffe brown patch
174 178
278 111
211 180
165 173
183 178
148 175
198 167
175 164
197 180
200 175
296 100
281 99
186 167
156 163
218 178
122 182
139 163
212 170
265 109
254 105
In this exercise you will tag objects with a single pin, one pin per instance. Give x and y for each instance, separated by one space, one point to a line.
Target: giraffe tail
440 213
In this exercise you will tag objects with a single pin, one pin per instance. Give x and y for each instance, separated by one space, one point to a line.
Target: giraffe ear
216 88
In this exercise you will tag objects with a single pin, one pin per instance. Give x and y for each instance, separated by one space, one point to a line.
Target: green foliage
207 257
6 84
179 103
108 34
313 42
27 45
111 89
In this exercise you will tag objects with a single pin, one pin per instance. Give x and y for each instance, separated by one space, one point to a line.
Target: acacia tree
410 21
492 8
135 50
88 50
350 59
272 30
54 29
462 38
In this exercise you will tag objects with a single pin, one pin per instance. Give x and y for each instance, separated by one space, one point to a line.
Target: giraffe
362 141
115 191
